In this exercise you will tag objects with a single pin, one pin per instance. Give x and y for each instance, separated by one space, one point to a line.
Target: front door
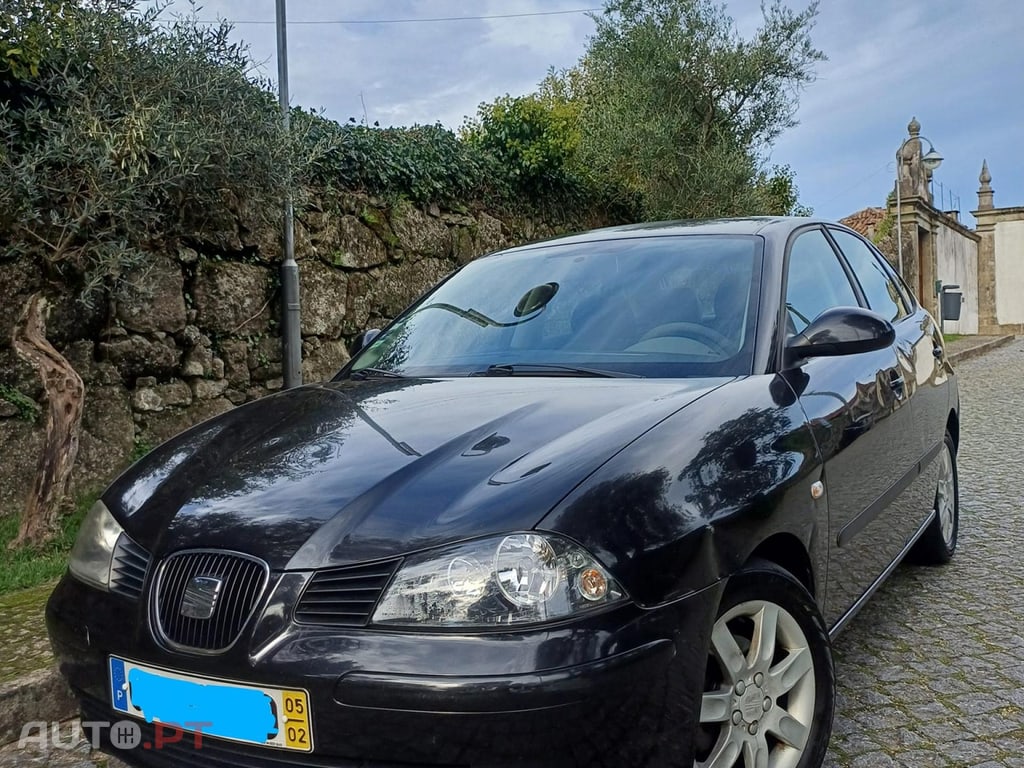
850 403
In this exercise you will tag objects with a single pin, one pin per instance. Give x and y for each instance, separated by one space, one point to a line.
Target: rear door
850 403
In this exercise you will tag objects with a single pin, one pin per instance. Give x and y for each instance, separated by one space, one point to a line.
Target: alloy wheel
759 697
945 496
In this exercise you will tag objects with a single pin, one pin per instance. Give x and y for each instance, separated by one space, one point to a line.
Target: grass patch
26 567
948 337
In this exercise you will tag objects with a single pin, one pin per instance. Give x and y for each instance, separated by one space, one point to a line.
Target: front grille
344 597
128 567
242 581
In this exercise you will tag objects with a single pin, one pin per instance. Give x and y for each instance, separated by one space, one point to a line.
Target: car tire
938 542
766 702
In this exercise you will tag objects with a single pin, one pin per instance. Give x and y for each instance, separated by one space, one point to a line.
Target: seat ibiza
597 501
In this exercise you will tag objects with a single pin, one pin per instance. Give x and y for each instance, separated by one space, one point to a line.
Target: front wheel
769 688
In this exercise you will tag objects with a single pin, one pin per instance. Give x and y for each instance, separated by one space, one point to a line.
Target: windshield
669 306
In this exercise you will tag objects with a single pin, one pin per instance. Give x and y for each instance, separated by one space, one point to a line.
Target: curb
981 349
41 695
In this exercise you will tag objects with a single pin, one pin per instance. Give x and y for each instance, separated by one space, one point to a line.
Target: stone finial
914 127
985 191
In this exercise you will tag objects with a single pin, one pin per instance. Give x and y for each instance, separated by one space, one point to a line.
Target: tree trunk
65 394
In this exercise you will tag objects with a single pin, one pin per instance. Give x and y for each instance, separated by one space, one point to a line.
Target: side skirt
840 625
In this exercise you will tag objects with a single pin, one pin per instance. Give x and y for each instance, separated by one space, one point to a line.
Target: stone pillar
986 229
926 259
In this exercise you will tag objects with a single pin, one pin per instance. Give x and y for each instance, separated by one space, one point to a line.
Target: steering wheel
709 337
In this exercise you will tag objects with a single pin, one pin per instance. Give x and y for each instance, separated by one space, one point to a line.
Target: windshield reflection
669 306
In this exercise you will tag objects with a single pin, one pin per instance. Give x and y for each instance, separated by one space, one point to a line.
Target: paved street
931 672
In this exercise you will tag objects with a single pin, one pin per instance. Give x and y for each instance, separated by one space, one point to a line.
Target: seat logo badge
200 598
817 489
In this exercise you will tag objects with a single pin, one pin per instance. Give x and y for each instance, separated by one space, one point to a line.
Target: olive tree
680 108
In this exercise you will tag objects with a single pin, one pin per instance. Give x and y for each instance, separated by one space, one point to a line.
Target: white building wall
957 264
1009 252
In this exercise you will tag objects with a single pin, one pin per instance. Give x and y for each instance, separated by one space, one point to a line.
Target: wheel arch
953 427
790 554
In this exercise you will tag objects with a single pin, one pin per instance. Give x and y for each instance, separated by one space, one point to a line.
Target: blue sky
957 66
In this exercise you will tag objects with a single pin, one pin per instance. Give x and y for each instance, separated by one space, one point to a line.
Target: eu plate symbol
118 685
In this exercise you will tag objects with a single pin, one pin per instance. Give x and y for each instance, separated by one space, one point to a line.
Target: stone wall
956 263
195 332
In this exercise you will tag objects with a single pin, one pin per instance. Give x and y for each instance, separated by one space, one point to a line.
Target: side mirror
363 340
841 331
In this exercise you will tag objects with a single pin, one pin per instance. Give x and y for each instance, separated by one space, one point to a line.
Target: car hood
351 471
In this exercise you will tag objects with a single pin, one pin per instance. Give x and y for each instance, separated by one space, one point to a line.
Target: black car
598 501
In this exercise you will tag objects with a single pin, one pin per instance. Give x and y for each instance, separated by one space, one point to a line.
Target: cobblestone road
931 672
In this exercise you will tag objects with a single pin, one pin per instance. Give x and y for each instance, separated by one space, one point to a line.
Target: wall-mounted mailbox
952 300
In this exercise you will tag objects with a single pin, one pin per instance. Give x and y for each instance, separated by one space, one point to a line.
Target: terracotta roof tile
866 222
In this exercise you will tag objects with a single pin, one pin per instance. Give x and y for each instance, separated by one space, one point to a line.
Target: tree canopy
672 107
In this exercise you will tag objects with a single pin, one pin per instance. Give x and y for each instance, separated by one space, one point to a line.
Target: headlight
517 579
94 547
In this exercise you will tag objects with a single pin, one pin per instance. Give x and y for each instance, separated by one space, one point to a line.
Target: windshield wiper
366 373
549 369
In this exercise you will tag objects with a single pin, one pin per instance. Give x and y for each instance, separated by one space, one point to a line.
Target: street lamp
930 161
291 339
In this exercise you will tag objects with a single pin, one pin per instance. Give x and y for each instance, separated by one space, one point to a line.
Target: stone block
151 297
22 442
235 353
396 286
357 247
418 234
323 292
321 359
232 297
107 437
207 389
490 234
135 356
175 392
159 426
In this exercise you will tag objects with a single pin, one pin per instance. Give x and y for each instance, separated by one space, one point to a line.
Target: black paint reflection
740 460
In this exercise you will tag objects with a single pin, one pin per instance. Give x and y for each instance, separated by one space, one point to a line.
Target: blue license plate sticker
226 709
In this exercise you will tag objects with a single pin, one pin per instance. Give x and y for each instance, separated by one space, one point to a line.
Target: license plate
270 717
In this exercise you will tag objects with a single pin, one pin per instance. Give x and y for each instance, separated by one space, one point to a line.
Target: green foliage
679 108
140 448
28 409
885 228
115 136
422 163
534 138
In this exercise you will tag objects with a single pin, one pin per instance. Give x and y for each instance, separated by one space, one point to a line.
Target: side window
882 293
816 281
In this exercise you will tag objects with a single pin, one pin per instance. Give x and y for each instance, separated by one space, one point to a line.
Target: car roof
753 225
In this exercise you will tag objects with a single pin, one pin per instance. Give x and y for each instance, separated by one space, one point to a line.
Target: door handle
898 383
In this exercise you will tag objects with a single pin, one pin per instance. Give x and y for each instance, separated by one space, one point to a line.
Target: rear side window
882 293
815 281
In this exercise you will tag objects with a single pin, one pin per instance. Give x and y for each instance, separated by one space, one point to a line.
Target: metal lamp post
930 161
291 340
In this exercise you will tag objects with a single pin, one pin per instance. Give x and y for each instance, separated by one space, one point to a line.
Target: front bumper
618 688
